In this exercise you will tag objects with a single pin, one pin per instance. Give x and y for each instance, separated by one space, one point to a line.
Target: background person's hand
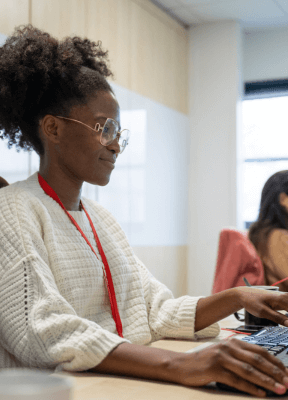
236 363
264 304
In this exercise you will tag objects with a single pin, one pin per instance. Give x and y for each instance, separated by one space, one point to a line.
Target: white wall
2 39
265 55
215 90
165 172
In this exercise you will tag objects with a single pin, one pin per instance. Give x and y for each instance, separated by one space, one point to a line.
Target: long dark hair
271 215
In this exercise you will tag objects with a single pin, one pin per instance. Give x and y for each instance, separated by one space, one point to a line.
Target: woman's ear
283 200
50 128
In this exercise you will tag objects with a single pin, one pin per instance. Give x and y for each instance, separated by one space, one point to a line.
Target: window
265 141
16 166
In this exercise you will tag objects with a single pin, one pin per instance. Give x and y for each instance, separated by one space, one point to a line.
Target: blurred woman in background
269 233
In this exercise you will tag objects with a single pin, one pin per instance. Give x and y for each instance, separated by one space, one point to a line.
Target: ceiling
252 14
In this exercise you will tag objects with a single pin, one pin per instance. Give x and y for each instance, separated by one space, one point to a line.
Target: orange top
275 262
237 258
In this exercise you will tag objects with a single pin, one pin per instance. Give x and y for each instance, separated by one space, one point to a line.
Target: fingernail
286 322
280 388
285 381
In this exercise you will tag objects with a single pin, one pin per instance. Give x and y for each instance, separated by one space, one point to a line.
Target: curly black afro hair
40 75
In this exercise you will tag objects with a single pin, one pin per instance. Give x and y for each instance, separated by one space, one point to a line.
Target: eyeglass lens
110 132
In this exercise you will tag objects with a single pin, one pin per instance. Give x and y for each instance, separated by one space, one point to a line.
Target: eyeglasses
110 132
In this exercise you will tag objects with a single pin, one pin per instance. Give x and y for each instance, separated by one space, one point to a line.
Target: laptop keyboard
274 339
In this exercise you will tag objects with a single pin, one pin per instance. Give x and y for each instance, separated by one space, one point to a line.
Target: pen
246 282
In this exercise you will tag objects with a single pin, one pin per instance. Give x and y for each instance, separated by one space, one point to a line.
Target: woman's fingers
275 316
251 374
255 365
264 304
231 379
260 356
244 366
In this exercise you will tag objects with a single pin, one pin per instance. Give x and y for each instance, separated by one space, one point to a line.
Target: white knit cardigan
54 306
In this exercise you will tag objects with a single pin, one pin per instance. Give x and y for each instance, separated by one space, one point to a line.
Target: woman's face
78 150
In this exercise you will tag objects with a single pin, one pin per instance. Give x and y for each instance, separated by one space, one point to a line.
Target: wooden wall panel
182 75
155 11
109 21
144 50
148 50
13 13
60 18
159 69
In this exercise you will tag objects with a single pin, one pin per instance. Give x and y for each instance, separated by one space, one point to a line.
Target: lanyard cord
106 272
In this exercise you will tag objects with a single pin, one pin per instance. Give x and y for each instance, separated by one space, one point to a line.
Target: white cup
32 384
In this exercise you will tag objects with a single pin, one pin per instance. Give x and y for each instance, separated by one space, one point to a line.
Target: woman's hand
264 304
235 363
242 365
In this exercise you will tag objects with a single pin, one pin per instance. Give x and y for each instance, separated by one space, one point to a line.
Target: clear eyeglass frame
109 132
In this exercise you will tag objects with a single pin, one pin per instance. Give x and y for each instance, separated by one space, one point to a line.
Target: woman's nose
114 146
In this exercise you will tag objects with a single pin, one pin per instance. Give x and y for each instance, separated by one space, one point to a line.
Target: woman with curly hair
269 233
73 295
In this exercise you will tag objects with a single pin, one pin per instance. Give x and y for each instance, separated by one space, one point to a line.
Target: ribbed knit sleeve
38 326
170 317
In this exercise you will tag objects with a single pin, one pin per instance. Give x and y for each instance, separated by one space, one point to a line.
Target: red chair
237 258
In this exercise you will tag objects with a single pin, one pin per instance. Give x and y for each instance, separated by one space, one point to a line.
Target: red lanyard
106 272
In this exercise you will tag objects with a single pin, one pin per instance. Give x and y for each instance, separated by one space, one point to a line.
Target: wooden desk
92 386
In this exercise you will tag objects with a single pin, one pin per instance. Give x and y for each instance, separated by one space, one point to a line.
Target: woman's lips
108 163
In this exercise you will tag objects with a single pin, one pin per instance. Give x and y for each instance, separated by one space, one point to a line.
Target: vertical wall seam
130 45
30 12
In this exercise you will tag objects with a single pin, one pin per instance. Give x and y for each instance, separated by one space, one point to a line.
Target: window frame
261 90
264 89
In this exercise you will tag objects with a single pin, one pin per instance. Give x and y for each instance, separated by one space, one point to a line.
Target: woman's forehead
103 105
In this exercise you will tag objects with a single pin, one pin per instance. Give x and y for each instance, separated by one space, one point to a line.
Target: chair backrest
237 258
3 182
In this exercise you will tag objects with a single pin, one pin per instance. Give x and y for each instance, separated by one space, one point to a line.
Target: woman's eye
105 129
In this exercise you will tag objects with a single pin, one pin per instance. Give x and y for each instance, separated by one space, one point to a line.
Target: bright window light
265 149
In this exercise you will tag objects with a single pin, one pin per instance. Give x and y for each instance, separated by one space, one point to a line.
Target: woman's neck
67 186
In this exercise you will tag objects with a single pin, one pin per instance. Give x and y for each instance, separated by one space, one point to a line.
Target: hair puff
41 75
